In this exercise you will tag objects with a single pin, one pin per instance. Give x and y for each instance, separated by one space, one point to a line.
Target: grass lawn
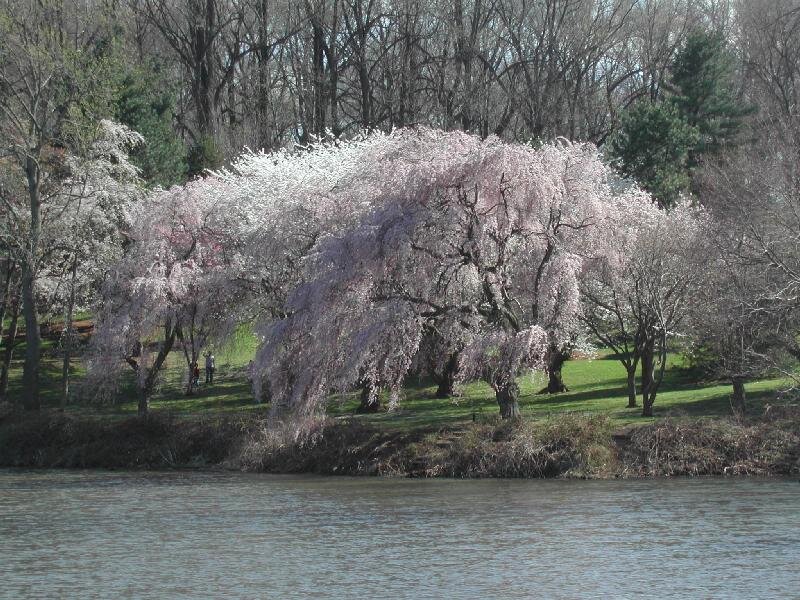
597 386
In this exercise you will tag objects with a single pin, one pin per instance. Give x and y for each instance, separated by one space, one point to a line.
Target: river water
94 534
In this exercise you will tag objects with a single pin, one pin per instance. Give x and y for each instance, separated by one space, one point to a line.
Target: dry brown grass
766 446
566 445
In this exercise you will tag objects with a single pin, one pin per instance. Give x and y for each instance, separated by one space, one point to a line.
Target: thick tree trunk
555 381
370 401
68 335
366 89
144 402
739 400
30 369
333 69
445 388
631 385
8 350
648 395
264 54
406 110
508 400
318 66
264 131
447 378
202 56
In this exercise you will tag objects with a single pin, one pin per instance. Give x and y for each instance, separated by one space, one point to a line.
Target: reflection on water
99 534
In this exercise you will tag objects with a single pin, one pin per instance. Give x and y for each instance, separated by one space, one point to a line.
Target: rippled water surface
158 535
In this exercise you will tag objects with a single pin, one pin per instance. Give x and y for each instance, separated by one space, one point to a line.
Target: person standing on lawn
195 374
210 366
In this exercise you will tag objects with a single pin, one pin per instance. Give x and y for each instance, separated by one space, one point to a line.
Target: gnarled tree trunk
555 361
508 400
555 382
447 378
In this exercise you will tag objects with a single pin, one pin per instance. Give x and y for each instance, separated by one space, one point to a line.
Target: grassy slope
596 386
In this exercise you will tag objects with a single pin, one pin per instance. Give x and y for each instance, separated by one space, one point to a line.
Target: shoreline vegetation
585 432
563 445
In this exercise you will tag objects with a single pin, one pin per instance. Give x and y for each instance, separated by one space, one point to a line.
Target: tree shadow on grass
574 397
675 380
225 394
717 405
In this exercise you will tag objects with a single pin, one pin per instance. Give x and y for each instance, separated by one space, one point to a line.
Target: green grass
230 392
597 386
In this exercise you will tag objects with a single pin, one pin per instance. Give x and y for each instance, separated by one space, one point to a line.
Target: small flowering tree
86 215
637 295
80 213
487 235
174 285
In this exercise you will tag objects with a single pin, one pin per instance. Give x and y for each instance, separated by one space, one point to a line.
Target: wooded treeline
264 73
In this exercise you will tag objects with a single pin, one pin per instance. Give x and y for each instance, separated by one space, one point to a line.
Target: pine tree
653 147
701 82
144 108
659 144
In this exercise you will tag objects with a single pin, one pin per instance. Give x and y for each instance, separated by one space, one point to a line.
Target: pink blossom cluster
345 255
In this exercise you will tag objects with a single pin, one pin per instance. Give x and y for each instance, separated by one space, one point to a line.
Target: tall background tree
696 112
53 76
703 87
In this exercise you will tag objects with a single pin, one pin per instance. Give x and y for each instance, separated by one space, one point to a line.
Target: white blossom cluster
346 254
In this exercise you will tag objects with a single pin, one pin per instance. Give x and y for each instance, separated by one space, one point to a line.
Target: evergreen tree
701 82
149 110
653 146
204 154
659 144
